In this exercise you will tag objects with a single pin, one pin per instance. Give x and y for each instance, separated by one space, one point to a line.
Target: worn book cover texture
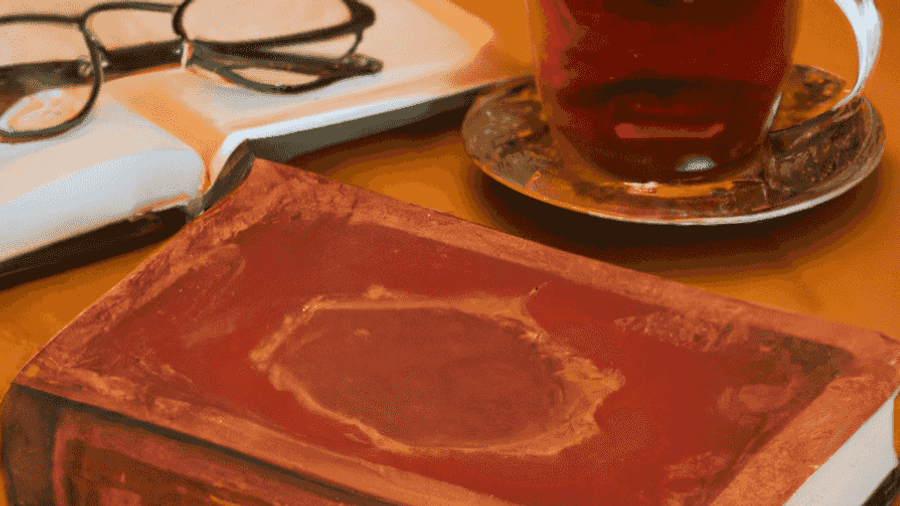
314 335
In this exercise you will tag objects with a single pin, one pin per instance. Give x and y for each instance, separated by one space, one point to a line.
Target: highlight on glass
52 66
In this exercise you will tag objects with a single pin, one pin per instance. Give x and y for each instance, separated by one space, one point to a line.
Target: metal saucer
812 155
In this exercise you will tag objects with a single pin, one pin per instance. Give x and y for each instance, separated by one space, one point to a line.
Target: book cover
307 341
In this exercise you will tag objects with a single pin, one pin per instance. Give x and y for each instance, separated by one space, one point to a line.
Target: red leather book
308 342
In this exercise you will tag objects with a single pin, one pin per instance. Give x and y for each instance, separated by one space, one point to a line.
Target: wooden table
838 261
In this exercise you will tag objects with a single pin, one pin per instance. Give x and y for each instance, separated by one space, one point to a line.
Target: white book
164 139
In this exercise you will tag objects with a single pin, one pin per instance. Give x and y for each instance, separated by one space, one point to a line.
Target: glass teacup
654 90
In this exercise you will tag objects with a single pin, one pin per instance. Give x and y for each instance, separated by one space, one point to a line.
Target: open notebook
165 140
308 342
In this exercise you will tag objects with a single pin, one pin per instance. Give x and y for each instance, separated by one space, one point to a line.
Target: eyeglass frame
218 57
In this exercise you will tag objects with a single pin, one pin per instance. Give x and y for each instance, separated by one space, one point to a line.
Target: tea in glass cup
656 90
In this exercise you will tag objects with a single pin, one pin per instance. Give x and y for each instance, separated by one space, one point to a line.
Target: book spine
28 421
56 451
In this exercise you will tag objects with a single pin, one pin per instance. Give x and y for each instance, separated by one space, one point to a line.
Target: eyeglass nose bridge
86 68
187 51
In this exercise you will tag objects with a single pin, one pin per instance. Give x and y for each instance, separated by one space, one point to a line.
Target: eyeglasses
52 67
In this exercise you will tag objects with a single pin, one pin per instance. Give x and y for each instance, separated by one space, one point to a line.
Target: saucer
812 155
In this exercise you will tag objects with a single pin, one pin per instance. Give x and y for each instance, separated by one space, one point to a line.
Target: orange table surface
838 261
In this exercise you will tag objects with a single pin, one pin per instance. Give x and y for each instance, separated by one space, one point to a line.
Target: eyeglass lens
251 20
247 20
45 75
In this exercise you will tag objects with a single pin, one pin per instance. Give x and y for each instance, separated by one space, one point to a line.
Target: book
310 342
130 166
183 136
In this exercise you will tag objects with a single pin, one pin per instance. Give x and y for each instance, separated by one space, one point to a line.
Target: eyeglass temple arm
46 74
124 62
344 66
118 63
347 65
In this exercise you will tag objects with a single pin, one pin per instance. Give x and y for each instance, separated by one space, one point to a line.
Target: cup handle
866 24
